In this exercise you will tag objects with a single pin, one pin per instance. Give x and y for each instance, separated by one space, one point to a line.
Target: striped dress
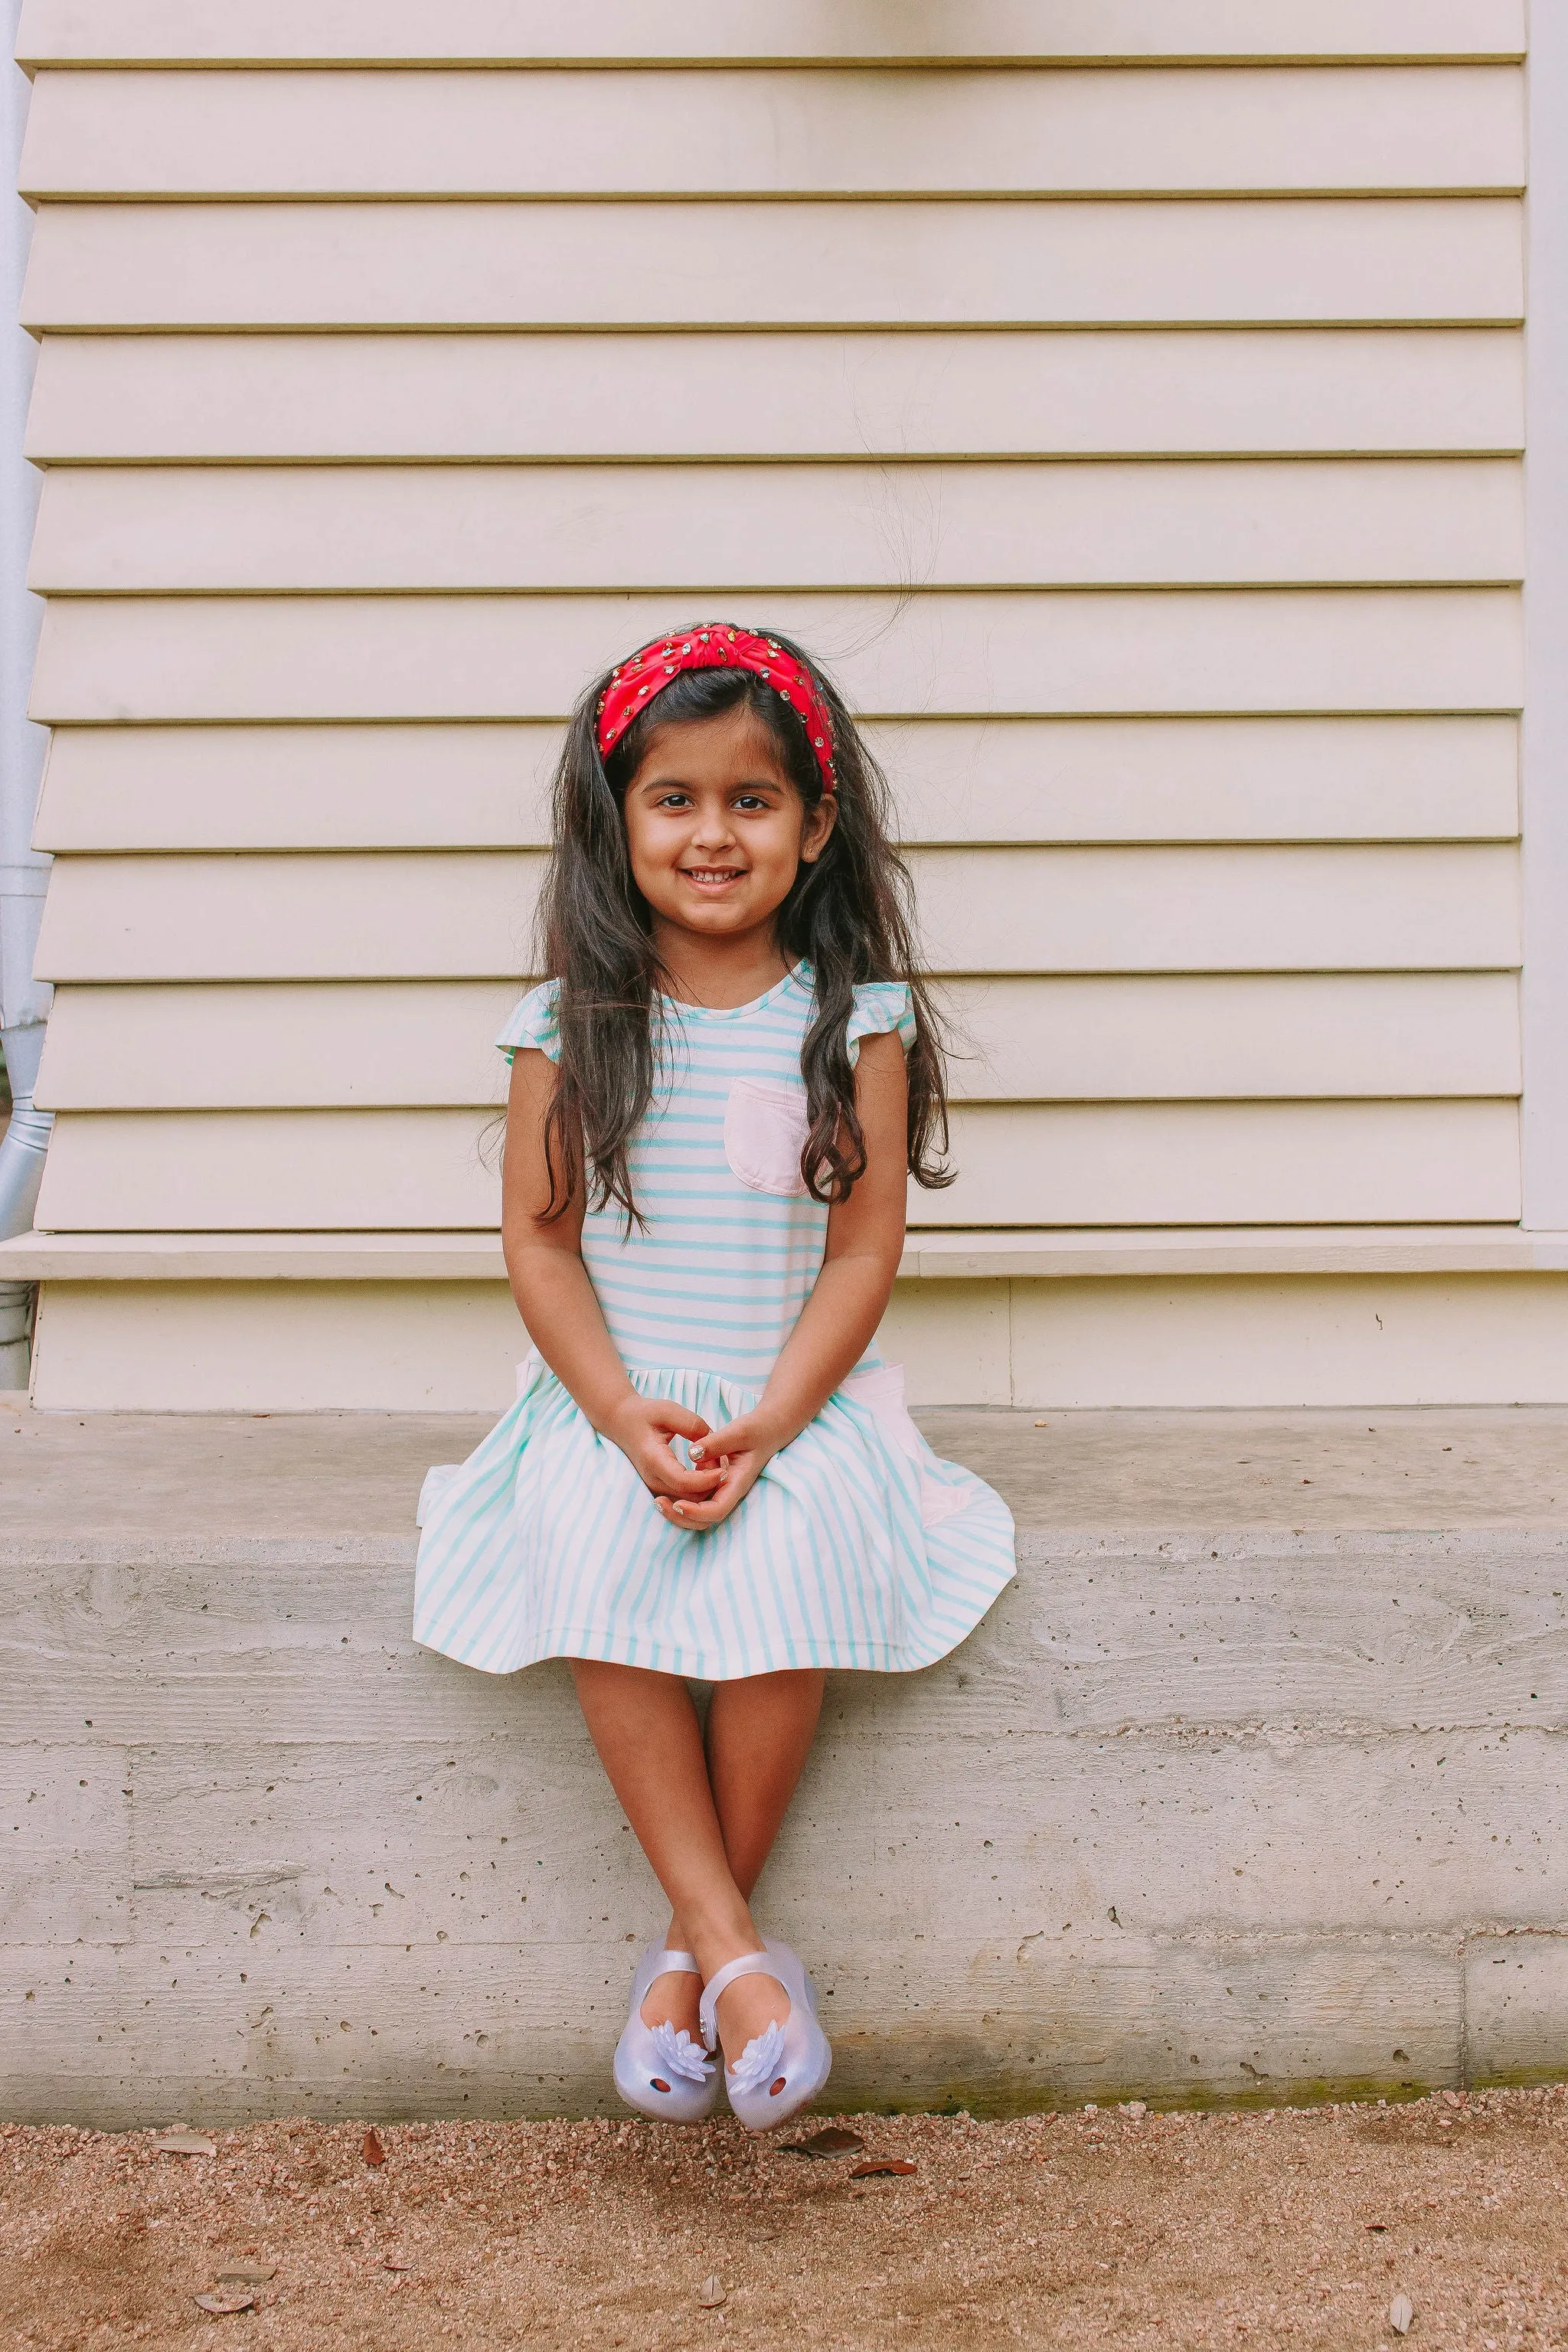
857 1546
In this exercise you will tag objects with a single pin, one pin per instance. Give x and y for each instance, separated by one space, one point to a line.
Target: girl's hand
737 1454
643 1428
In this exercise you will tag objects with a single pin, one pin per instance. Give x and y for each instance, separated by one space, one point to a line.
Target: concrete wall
1127 401
1261 1816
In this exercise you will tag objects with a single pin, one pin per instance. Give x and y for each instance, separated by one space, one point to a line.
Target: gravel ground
1142 2230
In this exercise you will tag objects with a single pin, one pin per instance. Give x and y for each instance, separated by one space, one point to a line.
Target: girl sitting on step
709 1473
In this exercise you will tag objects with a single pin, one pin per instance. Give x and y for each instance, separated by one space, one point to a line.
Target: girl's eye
750 801
673 799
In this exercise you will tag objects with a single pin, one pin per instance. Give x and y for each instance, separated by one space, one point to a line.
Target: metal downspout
24 1004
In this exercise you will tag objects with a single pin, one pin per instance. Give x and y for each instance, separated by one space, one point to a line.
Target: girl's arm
556 1300
865 1243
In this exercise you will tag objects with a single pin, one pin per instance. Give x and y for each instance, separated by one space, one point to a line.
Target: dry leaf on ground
373 2151
1401 2312
219 2305
247 2274
184 2143
832 2140
712 2294
879 2164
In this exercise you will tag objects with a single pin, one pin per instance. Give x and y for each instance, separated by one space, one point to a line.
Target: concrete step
1248 1789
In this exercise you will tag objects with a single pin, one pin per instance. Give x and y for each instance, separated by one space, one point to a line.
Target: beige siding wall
1128 404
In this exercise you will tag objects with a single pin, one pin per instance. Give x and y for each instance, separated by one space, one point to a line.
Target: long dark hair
848 915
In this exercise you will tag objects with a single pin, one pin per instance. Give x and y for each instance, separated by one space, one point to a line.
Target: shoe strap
679 1963
749 1964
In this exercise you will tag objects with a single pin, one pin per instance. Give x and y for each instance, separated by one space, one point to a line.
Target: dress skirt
857 1546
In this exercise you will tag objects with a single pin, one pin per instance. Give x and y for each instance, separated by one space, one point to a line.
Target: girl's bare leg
759 1734
646 1729
759 1731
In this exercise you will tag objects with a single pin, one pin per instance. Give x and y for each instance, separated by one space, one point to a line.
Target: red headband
715 646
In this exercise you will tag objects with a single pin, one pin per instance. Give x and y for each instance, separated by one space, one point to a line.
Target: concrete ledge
952 1256
1206 1811
126 1479
1249 1819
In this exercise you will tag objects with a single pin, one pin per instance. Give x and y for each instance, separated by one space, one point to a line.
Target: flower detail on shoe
760 2061
678 2054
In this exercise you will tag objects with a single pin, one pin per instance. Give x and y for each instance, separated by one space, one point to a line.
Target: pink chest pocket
766 1127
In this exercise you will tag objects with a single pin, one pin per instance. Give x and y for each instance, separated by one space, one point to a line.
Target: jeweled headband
714 646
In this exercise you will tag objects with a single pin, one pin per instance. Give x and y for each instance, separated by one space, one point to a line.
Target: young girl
709 1472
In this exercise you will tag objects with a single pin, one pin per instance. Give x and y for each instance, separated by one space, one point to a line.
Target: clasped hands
726 1463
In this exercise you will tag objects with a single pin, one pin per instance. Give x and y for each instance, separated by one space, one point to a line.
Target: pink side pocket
880 1390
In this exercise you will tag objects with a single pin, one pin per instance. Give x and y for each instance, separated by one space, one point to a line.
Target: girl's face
716 829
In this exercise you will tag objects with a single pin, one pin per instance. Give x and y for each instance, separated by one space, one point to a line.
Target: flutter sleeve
535 1022
880 1005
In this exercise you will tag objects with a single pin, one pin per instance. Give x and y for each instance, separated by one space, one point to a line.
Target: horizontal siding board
1201 1164
1261 1038
425 1044
953 781
1091 910
524 32
154 530
1067 780
370 787
744 132
123 266
439 397
1166 1164
468 915
445 1345
298 917
373 1043
108 661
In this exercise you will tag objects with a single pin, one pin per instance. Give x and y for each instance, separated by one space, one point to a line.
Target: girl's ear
820 821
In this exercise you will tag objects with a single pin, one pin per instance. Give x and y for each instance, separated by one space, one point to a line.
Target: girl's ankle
713 1946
